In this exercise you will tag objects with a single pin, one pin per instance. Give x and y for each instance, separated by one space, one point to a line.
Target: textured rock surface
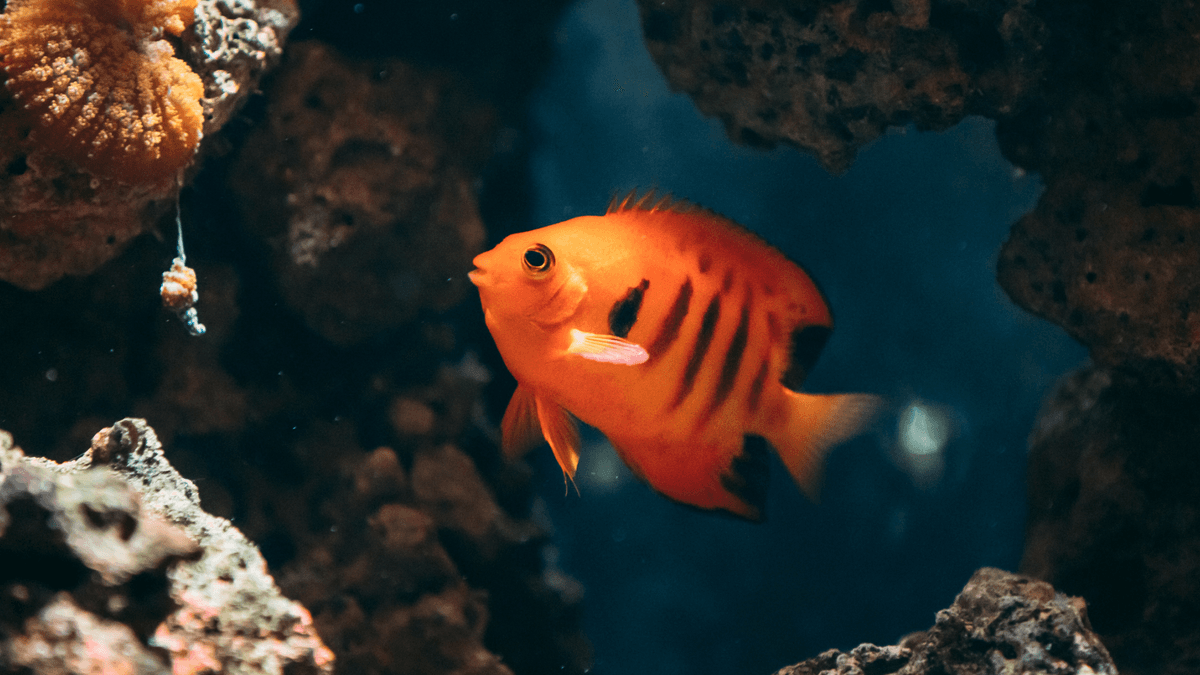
111 566
56 219
1110 253
361 179
383 560
84 569
830 77
1001 623
1114 515
65 638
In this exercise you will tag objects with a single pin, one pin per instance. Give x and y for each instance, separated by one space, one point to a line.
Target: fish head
529 277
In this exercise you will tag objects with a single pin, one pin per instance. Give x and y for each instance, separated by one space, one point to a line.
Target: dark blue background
904 245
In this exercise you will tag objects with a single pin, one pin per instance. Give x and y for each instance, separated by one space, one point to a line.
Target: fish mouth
478 276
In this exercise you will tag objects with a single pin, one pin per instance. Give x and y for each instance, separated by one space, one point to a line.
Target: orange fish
675 332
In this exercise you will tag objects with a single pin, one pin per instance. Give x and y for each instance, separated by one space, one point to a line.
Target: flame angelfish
675 332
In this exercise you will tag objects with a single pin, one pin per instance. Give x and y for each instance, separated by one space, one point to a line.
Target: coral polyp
102 85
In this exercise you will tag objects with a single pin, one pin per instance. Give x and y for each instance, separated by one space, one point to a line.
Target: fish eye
538 260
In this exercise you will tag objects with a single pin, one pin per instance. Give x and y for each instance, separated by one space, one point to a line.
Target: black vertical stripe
727 281
624 312
670 328
708 326
733 360
756 389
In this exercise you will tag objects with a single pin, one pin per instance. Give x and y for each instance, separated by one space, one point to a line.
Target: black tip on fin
807 343
748 477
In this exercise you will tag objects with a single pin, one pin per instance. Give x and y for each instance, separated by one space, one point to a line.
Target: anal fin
732 479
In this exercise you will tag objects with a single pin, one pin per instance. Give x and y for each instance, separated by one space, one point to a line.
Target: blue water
904 246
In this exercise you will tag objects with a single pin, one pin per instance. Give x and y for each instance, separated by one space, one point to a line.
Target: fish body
675 332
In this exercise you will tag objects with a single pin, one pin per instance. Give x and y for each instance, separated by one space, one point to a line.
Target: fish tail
815 423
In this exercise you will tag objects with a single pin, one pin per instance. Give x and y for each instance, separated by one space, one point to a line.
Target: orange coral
105 89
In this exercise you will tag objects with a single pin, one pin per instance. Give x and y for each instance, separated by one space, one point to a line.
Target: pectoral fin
561 432
606 348
520 430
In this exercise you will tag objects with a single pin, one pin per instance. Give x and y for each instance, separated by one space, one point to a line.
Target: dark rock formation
110 565
1001 623
386 578
1110 252
361 179
830 77
1115 514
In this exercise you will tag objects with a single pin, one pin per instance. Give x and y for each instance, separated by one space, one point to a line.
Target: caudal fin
815 423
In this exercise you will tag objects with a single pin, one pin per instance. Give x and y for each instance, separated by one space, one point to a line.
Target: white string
179 230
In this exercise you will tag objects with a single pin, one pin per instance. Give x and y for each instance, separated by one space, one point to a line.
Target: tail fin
815 423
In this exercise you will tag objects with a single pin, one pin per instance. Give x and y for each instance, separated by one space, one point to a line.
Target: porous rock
830 77
83 569
111 553
57 219
386 576
1114 514
361 179
1110 252
63 638
1000 624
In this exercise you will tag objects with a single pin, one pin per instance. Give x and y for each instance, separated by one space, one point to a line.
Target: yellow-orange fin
520 430
732 479
814 424
606 348
562 433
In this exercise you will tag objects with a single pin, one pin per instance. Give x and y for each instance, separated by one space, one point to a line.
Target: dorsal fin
652 201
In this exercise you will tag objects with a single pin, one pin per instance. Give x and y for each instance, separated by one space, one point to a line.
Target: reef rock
60 215
830 77
1000 624
1114 514
362 180
110 565
1110 251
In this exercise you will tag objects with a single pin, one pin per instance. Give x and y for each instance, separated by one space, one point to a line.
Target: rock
361 179
1114 514
111 551
1109 252
1000 623
65 638
387 576
830 77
